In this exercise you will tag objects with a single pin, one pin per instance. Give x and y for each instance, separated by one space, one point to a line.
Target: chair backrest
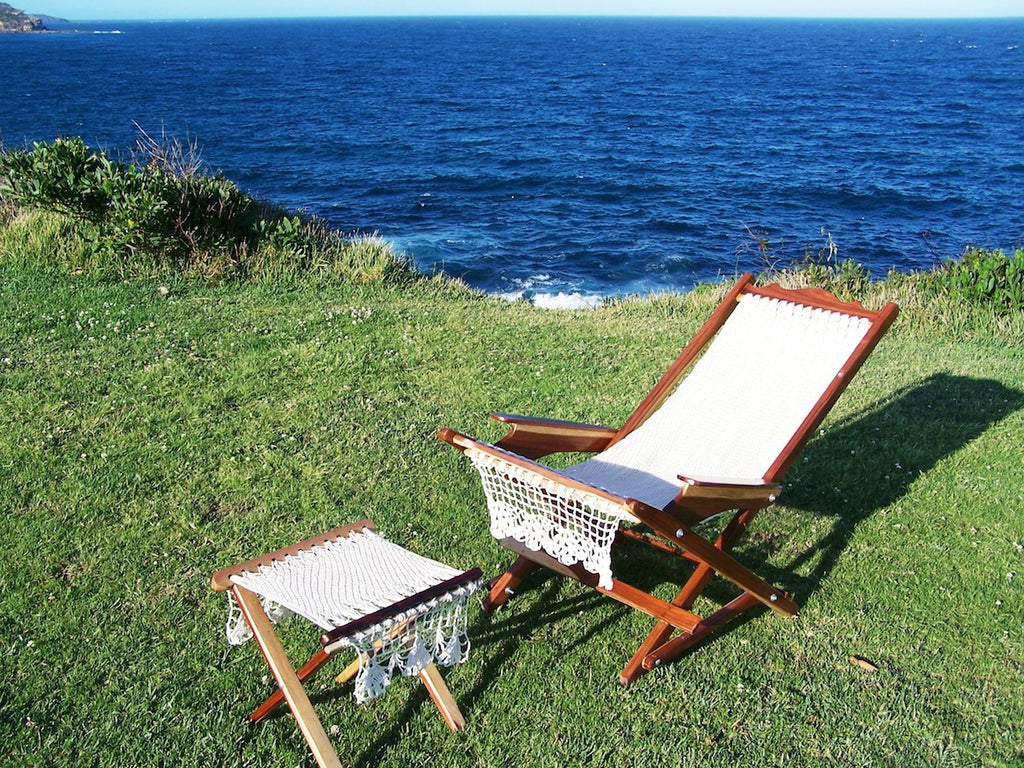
745 396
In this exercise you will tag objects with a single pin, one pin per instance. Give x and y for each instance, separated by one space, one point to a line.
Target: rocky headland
14 20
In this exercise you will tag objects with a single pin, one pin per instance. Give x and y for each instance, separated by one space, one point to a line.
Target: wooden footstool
399 611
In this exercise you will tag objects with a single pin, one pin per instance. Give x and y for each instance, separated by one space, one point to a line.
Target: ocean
568 159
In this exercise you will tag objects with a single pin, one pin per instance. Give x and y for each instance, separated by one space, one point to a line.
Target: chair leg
659 647
277 660
442 697
501 588
305 671
662 631
315 662
430 676
672 648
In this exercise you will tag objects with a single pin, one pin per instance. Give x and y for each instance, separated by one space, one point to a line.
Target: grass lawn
152 437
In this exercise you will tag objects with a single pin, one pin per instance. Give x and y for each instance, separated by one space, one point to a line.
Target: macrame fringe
572 526
406 644
237 629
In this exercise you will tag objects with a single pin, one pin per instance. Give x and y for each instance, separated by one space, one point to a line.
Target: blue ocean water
571 158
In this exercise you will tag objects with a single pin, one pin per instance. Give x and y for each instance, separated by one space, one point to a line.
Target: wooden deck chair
717 433
399 611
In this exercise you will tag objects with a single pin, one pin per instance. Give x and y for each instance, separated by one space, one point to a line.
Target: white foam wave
567 300
559 300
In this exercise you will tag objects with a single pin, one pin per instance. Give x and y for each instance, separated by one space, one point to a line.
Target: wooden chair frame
677 627
290 688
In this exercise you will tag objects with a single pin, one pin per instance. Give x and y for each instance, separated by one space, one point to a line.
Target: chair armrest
533 438
542 472
706 497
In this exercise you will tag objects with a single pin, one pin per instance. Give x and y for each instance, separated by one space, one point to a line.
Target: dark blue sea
566 159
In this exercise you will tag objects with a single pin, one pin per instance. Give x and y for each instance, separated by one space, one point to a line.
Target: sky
80 10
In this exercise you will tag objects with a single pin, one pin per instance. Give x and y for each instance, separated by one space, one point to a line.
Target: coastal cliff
13 20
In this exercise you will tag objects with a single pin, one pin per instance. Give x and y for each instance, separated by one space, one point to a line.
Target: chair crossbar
385 615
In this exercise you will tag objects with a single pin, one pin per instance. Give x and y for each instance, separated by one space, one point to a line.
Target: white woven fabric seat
734 412
727 421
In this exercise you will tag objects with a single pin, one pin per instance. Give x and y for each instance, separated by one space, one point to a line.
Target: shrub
984 277
819 265
131 210
846 278
161 211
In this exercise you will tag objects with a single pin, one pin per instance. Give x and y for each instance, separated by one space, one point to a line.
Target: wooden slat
691 590
730 569
620 590
502 587
698 500
357 625
669 650
349 671
818 298
655 543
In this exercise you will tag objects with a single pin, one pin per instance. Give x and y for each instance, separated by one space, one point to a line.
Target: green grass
151 437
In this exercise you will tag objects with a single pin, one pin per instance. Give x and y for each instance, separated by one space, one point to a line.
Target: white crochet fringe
573 526
406 644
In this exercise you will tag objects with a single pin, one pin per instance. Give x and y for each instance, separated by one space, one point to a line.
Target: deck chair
716 434
399 611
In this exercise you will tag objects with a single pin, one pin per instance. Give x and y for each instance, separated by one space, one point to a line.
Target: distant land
14 20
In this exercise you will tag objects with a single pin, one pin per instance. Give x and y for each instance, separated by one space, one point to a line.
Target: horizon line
681 16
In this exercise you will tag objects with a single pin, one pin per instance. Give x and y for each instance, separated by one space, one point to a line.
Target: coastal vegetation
160 211
186 380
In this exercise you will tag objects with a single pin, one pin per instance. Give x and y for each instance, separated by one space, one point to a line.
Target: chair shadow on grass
868 461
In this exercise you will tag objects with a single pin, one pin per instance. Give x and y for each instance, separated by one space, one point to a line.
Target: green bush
161 211
846 278
819 265
985 277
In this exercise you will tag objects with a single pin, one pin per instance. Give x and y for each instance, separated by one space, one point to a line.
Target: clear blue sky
199 9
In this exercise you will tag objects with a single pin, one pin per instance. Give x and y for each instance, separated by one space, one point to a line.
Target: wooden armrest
709 481
706 497
533 438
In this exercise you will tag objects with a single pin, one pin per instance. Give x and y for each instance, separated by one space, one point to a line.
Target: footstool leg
298 701
442 697
320 658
